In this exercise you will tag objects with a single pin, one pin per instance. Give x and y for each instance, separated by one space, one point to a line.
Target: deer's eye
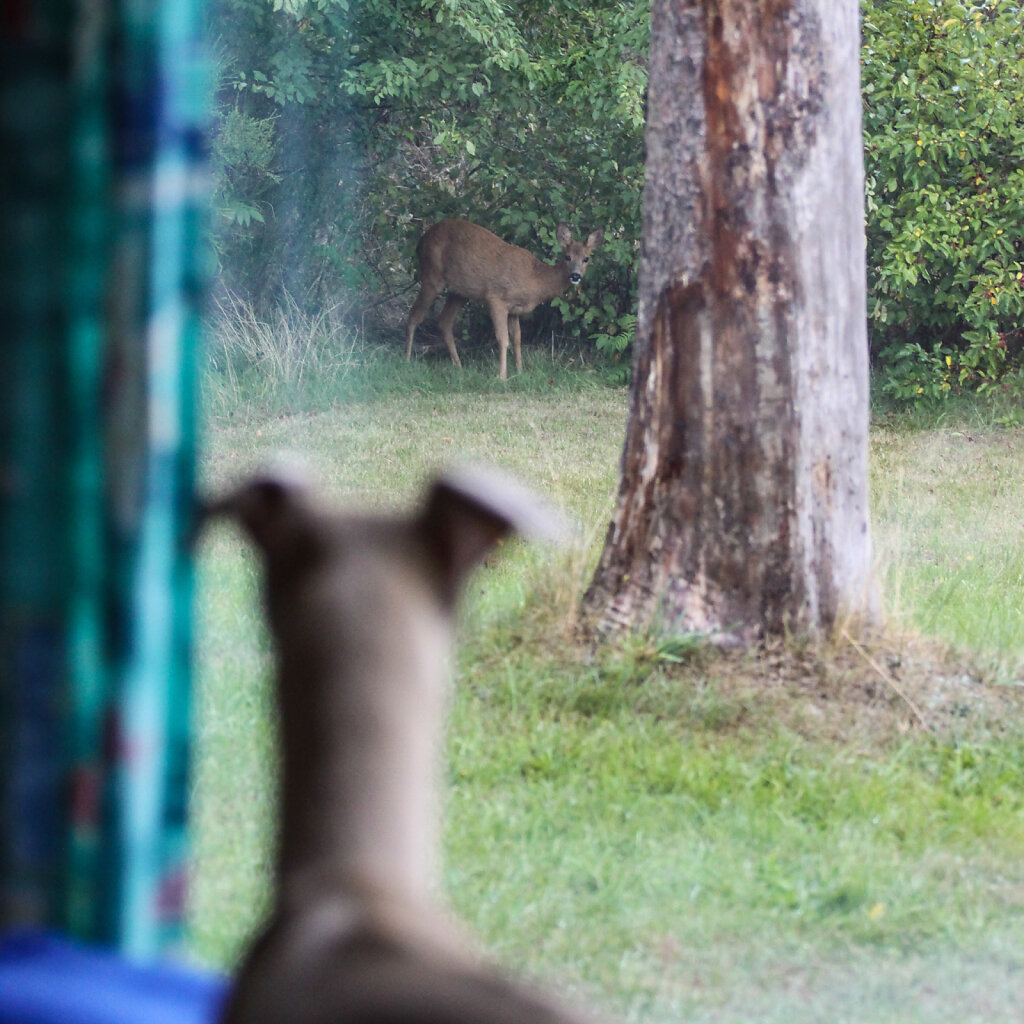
586 259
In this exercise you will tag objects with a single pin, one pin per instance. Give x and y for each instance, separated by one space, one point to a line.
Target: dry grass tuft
251 355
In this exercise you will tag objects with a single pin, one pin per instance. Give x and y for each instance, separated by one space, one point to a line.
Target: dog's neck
362 670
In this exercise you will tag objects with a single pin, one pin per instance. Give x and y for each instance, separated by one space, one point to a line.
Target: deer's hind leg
516 335
429 290
446 321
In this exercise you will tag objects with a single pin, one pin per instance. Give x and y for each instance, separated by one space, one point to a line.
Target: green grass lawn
667 834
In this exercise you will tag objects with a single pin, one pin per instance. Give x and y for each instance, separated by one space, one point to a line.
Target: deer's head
577 254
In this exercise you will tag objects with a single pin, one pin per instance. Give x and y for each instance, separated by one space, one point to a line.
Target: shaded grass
234 754
671 834
303 363
1001 406
949 532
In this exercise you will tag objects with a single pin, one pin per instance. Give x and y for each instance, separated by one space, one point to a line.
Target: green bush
944 129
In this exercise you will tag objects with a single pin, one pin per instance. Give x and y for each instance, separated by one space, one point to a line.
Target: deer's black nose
575 277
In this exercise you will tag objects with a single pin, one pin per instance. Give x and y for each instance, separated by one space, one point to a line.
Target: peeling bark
743 498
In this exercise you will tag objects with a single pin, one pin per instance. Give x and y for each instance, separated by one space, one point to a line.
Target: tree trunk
743 499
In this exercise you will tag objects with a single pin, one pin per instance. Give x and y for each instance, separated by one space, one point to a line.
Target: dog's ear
469 509
266 506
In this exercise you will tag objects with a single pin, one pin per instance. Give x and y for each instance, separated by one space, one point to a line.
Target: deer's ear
595 239
468 510
563 235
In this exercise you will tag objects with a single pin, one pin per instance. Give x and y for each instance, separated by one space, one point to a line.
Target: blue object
45 979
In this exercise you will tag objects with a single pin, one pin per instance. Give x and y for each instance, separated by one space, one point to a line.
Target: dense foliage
345 128
944 131
348 128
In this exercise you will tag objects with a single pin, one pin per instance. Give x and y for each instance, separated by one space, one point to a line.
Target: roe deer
360 610
477 265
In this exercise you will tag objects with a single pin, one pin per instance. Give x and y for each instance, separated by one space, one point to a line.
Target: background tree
743 501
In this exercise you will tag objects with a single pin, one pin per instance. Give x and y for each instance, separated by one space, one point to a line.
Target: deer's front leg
516 335
501 319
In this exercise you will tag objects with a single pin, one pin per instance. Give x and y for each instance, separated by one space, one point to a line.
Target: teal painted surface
100 286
